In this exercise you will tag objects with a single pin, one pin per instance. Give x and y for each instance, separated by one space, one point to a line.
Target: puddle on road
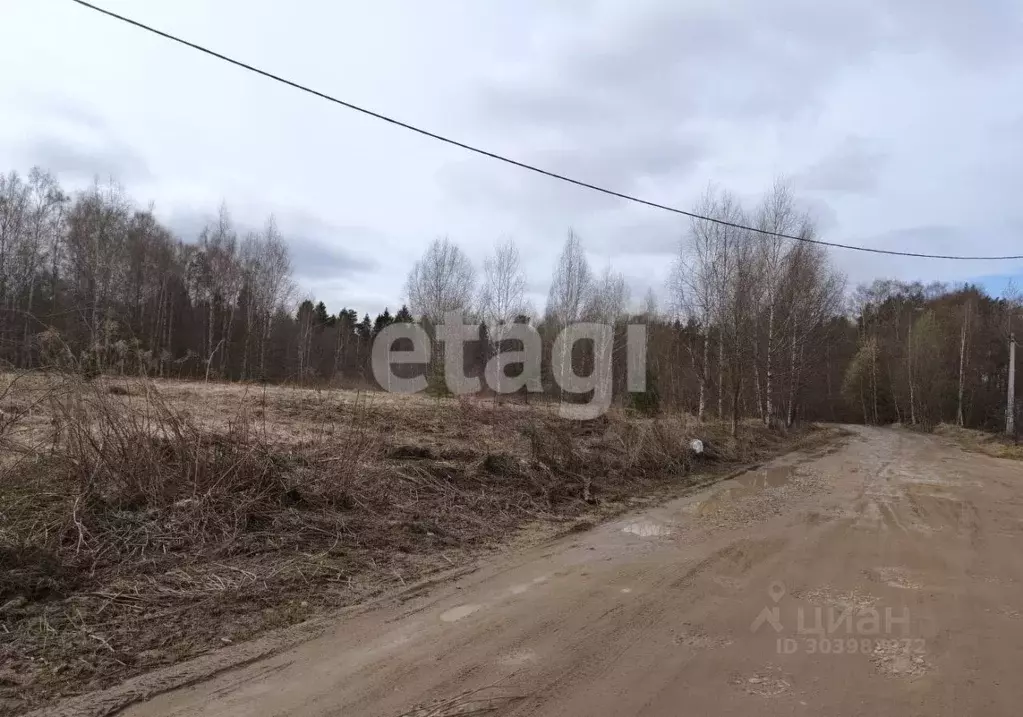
893 577
772 477
647 529
745 485
518 658
457 613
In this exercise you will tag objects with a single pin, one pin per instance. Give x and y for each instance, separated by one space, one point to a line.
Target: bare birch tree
502 294
777 214
97 231
607 304
736 271
649 309
694 285
570 290
571 285
267 268
443 280
813 294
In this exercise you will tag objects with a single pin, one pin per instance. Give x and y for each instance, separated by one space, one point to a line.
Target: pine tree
348 319
382 322
365 327
305 310
321 315
404 316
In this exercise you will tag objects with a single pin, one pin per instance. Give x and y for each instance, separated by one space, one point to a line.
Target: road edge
141 688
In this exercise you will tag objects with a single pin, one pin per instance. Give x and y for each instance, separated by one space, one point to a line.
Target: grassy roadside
998 446
145 523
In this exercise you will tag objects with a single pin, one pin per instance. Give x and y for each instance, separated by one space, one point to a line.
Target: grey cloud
1009 130
106 158
930 239
925 239
538 285
77 144
619 101
187 224
62 108
316 260
854 166
980 238
546 105
621 162
342 294
977 34
824 216
723 58
319 249
641 232
665 66
632 158
651 99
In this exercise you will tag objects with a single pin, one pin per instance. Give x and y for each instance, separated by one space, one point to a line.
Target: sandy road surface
905 550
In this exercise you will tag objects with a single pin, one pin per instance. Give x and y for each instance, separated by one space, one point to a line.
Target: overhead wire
525 165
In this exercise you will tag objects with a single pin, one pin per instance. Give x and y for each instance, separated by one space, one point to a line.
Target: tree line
755 326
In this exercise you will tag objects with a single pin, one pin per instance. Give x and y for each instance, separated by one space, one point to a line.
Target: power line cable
517 163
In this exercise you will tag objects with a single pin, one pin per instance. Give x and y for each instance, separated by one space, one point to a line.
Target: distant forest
755 327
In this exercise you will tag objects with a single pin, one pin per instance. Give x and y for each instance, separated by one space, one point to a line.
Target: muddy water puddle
729 491
745 485
647 529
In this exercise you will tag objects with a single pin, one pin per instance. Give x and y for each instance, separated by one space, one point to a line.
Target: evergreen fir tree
383 321
404 316
321 315
365 327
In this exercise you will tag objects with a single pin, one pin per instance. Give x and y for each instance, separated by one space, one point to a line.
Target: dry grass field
146 522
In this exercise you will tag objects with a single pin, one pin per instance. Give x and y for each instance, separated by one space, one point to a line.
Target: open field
143 523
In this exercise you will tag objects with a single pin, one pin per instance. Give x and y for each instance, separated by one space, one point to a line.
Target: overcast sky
900 124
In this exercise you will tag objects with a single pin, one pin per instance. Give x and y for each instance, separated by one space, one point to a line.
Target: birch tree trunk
797 367
770 342
962 363
721 374
704 373
909 368
757 394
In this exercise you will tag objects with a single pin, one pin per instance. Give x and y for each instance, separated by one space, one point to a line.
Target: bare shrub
662 446
141 482
125 512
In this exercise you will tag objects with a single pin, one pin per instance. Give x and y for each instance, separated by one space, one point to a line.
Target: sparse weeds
146 522
135 499
999 446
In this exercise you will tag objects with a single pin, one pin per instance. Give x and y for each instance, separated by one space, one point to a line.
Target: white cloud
898 123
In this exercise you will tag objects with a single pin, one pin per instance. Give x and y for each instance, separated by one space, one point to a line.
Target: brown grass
145 522
999 446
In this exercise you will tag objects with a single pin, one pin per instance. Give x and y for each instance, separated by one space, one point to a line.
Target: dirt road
906 552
